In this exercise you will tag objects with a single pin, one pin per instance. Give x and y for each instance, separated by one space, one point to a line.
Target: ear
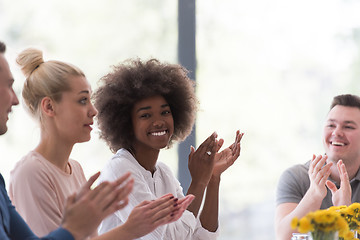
47 106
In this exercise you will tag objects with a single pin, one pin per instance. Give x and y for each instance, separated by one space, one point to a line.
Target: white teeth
338 144
158 133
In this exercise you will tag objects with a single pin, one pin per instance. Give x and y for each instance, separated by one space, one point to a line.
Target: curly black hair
134 80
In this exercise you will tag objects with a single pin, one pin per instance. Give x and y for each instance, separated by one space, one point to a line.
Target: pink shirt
39 190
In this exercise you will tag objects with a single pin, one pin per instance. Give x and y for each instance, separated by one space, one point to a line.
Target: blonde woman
81 217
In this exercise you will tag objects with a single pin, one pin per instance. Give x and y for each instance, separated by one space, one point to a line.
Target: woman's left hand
227 157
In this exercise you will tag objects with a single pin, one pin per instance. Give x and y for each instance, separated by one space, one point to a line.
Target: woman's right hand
85 210
149 215
201 161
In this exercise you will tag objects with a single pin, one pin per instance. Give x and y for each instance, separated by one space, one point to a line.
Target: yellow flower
294 223
305 225
355 206
329 221
335 208
348 235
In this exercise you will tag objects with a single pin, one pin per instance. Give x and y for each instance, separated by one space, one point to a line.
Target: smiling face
153 124
74 113
341 137
7 95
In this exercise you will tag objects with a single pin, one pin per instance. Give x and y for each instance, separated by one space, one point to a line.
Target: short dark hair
133 81
2 47
347 100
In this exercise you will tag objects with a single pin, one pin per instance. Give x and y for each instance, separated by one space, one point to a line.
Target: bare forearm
287 211
210 212
197 190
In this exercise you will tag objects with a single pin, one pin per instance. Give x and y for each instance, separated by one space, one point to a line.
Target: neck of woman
56 152
147 158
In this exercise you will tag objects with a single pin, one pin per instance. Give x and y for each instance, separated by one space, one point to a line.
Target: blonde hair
43 79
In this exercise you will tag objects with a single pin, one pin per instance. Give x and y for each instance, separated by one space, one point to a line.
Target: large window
268 68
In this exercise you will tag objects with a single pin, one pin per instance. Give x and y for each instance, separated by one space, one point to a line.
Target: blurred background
268 68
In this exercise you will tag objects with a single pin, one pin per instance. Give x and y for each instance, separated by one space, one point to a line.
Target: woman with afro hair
144 106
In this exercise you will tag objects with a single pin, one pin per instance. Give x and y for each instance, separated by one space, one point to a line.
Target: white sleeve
187 227
140 192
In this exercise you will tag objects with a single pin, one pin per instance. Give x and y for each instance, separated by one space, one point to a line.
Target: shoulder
74 163
293 184
2 181
76 166
77 174
120 163
297 171
30 164
31 176
295 178
167 174
164 168
122 158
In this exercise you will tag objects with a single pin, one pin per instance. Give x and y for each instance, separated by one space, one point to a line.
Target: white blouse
148 187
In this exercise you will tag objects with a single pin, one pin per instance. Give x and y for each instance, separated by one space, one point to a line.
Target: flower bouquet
351 214
329 224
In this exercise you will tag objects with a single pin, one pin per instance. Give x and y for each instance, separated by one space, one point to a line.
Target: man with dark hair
346 100
2 47
83 212
7 95
324 181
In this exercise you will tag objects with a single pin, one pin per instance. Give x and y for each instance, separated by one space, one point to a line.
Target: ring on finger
208 153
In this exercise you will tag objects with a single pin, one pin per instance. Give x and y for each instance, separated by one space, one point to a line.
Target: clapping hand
319 171
149 215
85 210
201 161
227 157
341 196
